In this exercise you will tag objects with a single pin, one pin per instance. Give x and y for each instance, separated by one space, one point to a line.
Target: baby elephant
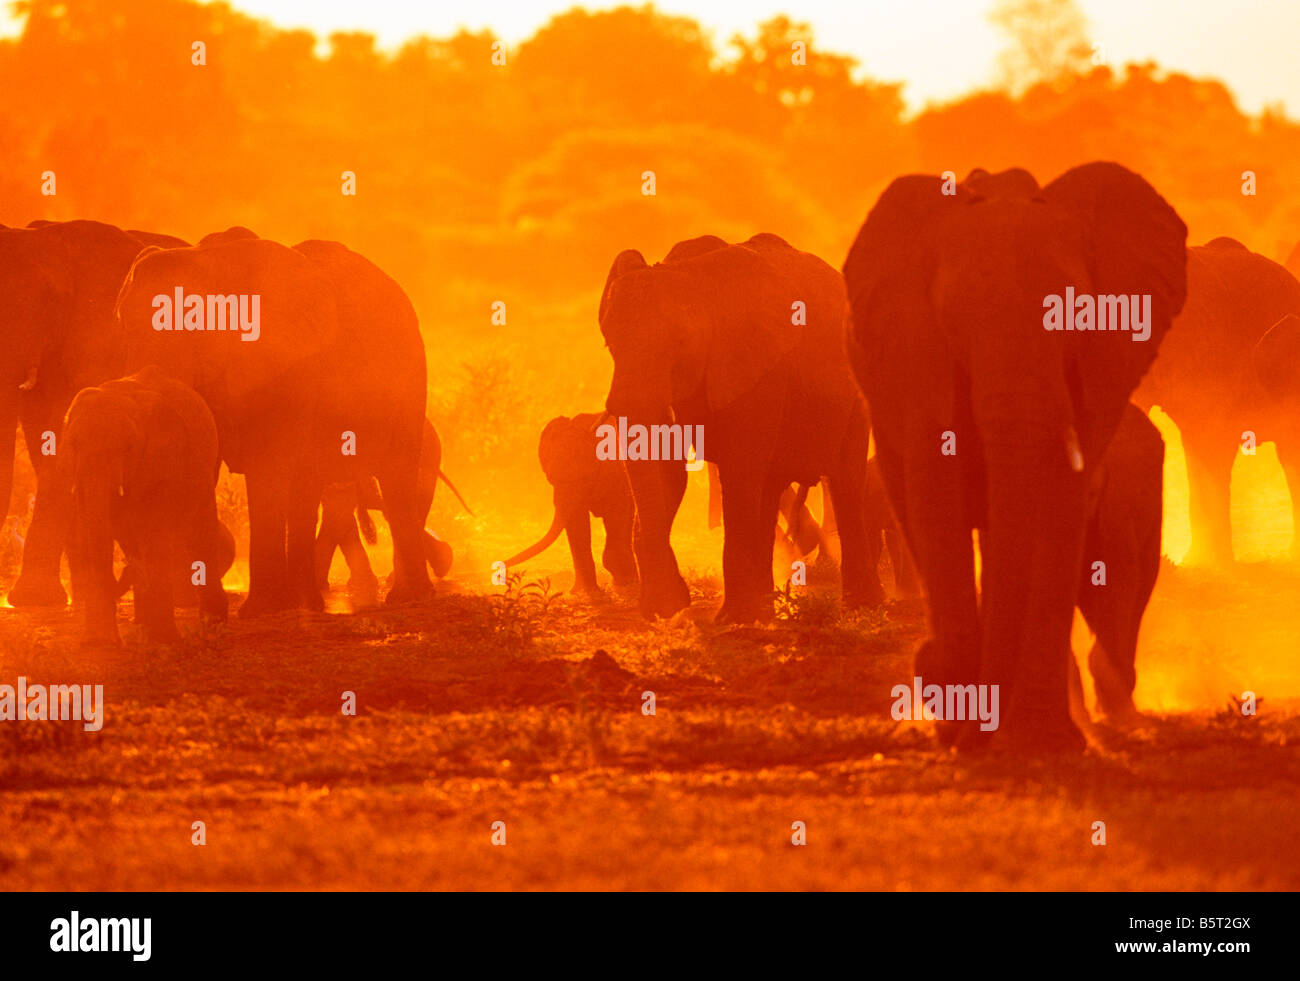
143 461
585 486
1121 559
345 519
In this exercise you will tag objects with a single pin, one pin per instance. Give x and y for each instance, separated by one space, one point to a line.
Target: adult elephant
58 283
585 486
745 341
331 390
264 393
984 419
1204 379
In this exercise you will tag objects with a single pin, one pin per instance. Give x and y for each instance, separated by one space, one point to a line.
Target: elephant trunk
91 559
545 542
1031 548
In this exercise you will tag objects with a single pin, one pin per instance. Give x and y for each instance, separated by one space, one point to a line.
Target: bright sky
940 48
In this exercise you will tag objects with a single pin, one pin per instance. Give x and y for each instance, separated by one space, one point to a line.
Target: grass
525 706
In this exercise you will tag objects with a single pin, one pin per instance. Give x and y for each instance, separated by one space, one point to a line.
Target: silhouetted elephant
142 461
344 506
744 344
333 390
1205 381
585 485
1126 510
988 413
58 282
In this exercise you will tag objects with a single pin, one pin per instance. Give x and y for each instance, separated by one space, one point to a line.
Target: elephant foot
438 554
665 604
406 594
263 604
31 591
364 593
743 613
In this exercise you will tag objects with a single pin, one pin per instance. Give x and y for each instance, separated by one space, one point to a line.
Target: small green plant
517 613
800 606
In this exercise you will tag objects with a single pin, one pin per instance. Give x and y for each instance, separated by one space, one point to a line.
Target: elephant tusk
1072 449
30 382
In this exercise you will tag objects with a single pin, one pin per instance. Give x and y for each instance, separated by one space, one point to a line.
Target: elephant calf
344 506
142 461
585 486
1123 535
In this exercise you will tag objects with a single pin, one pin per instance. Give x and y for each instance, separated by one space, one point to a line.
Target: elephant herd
995 339
128 365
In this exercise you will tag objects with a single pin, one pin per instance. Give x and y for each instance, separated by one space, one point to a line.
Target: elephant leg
362 580
931 507
906 583
617 557
1210 456
154 595
268 577
397 483
577 529
38 582
859 551
304 494
658 488
749 509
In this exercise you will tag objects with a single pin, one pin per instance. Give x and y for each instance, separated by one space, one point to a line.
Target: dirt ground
503 706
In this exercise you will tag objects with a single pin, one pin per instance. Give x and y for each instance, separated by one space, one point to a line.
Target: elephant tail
547 540
367 526
452 487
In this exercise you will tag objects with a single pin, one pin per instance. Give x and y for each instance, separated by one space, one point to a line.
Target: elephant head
991 401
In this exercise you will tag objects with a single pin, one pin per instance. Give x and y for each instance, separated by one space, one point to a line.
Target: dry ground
477 709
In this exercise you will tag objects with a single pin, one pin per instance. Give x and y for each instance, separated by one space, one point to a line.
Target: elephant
989 415
743 344
584 486
142 461
332 390
344 506
1205 380
1125 504
58 283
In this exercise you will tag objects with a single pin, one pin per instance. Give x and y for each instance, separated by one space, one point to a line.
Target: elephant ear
1133 243
748 299
567 451
889 272
624 263
1276 358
